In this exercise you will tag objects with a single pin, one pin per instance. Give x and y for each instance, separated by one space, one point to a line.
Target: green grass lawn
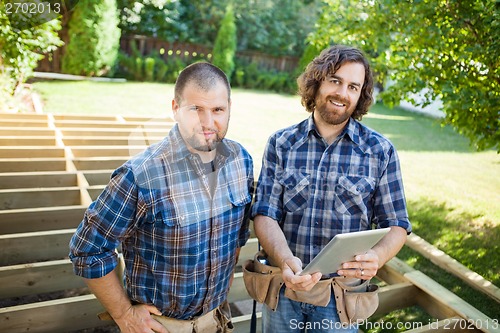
453 193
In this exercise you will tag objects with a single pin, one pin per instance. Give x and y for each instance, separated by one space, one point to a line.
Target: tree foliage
445 50
21 49
225 44
277 27
94 38
156 18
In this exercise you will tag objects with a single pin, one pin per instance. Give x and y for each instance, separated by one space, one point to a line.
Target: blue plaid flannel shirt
315 191
178 242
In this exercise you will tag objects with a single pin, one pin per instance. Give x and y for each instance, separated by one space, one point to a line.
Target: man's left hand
364 266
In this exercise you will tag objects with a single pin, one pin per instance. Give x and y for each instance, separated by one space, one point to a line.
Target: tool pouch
355 301
262 280
319 295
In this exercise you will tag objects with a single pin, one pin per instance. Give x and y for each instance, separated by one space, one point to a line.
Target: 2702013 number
32 8
469 324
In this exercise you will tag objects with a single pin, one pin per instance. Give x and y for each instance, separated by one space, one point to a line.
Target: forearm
110 292
390 245
272 239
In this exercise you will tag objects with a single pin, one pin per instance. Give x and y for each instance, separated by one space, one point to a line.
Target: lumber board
111 140
98 177
109 132
31 247
38 278
81 117
62 315
237 292
40 219
94 191
242 323
438 301
106 151
17 116
98 164
6 140
248 251
451 265
26 131
30 151
396 296
72 313
32 164
18 180
94 124
39 197
21 123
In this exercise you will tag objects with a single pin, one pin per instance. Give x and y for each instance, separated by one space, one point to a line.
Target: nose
342 90
206 119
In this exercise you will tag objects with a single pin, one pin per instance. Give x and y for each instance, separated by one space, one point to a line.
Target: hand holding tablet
343 248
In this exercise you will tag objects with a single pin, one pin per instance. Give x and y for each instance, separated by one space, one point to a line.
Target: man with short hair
325 176
180 212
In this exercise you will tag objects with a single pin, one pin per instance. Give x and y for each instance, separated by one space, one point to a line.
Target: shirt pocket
295 190
353 194
180 212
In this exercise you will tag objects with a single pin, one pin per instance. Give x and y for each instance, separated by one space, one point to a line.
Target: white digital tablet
343 248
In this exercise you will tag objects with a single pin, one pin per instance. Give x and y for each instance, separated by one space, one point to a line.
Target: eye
334 80
353 88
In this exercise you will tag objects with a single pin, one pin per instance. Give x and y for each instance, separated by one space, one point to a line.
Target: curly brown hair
327 63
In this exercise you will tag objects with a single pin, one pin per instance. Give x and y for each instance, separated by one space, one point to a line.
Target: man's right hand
291 268
138 319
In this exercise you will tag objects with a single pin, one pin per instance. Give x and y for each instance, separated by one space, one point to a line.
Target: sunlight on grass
388 117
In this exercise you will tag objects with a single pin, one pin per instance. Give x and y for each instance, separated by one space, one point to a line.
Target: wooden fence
53 166
185 51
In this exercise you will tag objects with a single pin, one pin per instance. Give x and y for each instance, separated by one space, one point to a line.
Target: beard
330 114
204 145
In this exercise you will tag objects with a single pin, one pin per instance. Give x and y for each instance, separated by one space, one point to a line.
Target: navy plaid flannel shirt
178 242
316 191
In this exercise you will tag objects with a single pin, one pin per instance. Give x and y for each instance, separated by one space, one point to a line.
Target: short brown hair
204 75
327 63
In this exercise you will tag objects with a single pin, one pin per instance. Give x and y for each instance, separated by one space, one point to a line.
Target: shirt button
317 223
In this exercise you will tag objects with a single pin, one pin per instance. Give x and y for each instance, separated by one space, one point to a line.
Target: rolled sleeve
105 224
269 193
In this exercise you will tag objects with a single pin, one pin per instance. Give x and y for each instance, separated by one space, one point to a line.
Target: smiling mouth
337 103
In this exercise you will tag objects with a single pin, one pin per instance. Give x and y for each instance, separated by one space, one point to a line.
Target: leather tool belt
215 321
356 299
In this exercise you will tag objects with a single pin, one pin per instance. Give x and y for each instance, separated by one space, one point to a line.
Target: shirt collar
351 130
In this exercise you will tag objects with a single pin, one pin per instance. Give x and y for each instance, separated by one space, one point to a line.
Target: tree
20 50
225 44
94 38
157 18
447 50
277 27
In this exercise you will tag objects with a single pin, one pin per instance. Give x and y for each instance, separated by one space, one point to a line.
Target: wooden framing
52 166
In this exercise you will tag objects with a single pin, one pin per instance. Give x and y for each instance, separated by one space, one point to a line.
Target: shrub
225 43
149 68
94 39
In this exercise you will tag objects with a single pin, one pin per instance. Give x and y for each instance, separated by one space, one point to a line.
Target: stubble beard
205 145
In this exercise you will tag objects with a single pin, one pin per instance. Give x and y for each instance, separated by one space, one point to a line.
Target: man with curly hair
325 176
